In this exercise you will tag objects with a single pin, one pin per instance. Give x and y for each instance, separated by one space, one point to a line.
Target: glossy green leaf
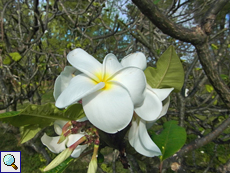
43 115
169 72
171 139
28 132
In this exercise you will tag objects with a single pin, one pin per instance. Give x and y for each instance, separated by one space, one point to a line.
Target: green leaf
76 110
169 72
60 168
15 56
35 117
36 114
9 114
156 1
224 77
43 115
7 60
171 139
28 132
215 102
209 88
214 47
198 68
69 45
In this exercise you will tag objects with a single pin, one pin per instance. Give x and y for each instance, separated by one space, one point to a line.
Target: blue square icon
10 161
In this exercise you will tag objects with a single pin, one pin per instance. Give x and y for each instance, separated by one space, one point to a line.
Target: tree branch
208 19
206 139
167 26
208 64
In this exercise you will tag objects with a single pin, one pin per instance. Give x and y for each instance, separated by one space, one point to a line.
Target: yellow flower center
108 85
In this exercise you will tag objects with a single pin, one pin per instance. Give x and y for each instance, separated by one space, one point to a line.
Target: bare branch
167 26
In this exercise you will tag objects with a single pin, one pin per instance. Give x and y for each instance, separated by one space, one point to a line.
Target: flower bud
93 163
59 159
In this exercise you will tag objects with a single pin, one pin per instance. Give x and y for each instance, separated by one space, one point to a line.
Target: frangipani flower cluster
113 95
147 111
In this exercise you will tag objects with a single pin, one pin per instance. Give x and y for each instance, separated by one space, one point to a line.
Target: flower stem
81 140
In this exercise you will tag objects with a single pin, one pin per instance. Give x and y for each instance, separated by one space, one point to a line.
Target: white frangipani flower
52 142
109 91
148 113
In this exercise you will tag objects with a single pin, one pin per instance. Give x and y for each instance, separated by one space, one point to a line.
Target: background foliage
36 36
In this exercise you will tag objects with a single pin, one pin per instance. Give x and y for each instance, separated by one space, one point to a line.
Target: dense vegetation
36 36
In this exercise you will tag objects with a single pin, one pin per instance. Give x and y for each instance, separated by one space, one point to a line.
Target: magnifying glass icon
9 160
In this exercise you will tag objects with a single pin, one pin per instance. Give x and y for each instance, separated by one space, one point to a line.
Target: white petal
51 143
162 93
77 152
109 110
149 148
151 108
63 80
136 60
149 124
110 65
79 87
141 141
133 79
84 62
58 125
165 107
133 133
